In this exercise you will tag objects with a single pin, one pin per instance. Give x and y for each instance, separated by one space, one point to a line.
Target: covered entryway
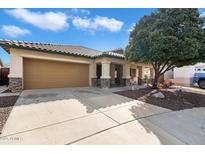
116 73
39 74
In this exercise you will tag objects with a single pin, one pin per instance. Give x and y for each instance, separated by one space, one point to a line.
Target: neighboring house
4 71
1 63
44 65
184 75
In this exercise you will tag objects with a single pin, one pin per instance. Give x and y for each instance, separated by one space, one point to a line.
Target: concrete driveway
3 88
92 116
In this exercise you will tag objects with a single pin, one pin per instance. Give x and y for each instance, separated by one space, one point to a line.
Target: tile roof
112 54
58 48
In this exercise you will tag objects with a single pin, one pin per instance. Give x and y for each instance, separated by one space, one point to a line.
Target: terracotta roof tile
59 48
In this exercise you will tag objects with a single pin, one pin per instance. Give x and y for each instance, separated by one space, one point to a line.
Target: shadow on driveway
92 98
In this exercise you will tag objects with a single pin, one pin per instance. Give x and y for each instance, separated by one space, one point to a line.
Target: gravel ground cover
6 105
175 99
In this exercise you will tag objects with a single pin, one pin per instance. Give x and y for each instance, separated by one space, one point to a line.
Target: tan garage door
40 74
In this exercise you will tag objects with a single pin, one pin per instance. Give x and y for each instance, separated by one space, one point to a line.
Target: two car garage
39 74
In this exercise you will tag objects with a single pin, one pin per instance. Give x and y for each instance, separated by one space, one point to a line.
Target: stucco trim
55 59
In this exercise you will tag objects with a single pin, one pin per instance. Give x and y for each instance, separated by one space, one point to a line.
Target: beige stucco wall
92 70
126 71
17 55
105 70
16 65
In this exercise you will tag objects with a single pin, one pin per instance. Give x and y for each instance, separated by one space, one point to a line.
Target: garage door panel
53 74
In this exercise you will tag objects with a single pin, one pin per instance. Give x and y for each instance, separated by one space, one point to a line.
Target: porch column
105 79
93 76
112 74
126 74
151 73
140 75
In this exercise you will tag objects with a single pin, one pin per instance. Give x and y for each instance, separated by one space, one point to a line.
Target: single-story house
183 76
36 65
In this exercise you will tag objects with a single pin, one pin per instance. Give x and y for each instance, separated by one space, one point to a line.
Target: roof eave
6 47
109 56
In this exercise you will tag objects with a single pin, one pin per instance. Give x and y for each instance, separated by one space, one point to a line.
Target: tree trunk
156 80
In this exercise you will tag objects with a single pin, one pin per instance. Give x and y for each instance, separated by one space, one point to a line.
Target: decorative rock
188 103
158 95
133 87
179 91
154 91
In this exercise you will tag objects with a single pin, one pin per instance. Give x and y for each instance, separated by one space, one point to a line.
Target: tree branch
164 66
153 65
167 69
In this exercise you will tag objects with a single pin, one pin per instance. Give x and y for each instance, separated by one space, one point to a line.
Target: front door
118 74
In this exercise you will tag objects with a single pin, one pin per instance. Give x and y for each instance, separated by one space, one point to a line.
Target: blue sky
101 29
